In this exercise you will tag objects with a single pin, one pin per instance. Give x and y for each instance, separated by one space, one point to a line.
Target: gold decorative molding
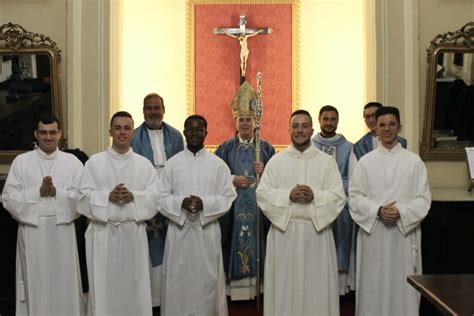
15 40
15 37
464 37
190 52
244 1
295 59
457 42
464 34
191 71
278 148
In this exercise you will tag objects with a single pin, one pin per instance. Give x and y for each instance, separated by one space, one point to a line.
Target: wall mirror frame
29 86
449 100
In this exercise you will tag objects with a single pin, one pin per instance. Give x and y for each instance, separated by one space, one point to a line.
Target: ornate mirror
449 115
29 86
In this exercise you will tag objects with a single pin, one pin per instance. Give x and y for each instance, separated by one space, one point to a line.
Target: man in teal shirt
157 141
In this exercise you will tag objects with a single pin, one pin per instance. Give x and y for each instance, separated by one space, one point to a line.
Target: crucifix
242 33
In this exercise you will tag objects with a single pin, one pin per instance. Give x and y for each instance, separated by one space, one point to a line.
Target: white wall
332 58
324 78
333 63
153 57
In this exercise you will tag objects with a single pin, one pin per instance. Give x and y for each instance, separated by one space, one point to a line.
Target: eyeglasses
43 132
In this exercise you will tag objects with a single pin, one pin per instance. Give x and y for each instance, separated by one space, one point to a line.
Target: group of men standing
338 217
388 197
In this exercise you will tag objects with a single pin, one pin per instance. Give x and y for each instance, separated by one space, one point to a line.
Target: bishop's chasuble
239 226
301 266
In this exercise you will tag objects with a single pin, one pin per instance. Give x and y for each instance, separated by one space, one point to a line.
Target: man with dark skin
195 132
195 189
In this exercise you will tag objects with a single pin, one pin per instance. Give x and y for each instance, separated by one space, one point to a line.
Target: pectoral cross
242 33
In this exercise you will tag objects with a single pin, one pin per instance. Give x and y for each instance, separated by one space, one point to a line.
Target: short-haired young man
389 196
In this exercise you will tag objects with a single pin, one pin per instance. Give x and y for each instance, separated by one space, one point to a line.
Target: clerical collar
155 129
44 155
241 140
332 138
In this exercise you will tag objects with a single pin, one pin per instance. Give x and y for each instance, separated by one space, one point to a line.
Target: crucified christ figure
242 34
244 51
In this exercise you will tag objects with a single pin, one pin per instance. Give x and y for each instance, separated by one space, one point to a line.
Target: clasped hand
301 193
192 203
47 187
120 194
389 213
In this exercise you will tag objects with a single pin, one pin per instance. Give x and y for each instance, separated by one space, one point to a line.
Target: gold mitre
244 101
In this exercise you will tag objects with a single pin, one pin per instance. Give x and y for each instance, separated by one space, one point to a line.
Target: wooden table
452 294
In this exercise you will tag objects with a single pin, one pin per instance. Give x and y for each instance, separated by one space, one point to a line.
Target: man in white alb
195 189
118 194
301 194
39 194
389 196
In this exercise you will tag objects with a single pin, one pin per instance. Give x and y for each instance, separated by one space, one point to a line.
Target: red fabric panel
217 67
